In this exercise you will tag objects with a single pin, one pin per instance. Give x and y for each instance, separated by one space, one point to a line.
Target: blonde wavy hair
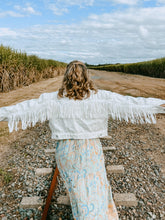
76 82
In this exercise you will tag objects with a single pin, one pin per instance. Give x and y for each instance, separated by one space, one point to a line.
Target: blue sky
93 31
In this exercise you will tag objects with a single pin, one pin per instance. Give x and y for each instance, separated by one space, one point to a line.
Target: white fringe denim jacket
81 119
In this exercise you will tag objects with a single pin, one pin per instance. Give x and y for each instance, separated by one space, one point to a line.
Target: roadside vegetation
5 176
153 68
18 69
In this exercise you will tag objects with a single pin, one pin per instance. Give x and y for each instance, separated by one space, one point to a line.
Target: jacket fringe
81 109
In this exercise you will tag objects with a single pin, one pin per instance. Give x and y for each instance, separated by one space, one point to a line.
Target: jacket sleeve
28 112
133 109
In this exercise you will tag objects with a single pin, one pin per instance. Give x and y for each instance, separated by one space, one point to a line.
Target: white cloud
143 31
27 9
10 13
61 7
76 2
132 35
7 32
126 2
20 11
56 10
161 1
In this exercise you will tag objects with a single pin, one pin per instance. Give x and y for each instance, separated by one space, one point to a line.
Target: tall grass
17 69
153 68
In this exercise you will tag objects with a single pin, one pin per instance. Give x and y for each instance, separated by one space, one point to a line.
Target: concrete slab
117 169
31 202
63 200
43 171
109 148
49 151
125 199
120 199
106 137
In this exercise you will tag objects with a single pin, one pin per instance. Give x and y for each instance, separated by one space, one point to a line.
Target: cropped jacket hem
85 135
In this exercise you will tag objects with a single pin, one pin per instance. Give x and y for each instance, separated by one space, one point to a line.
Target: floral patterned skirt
81 166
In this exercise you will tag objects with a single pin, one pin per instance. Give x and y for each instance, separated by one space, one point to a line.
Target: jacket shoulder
102 94
48 96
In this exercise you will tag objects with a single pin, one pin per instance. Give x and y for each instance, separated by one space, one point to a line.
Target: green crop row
153 68
18 69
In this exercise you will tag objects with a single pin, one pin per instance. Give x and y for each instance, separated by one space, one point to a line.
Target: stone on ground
43 171
115 169
125 199
106 137
49 151
109 148
63 200
31 202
